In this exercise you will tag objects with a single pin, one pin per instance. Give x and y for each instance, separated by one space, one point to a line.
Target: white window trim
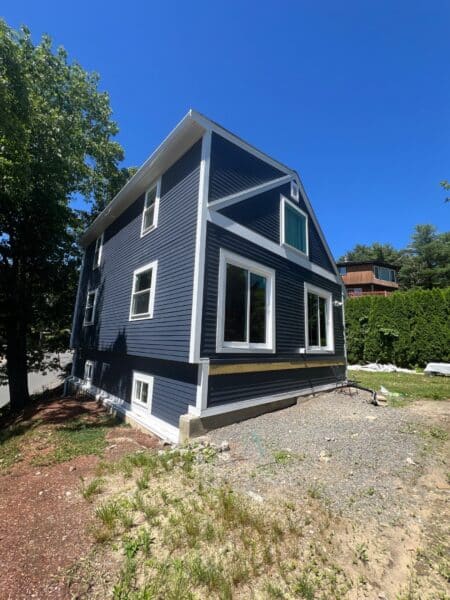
227 257
100 252
88 363
283 242
154 225
154 267
328 296
94 307
295 191
144 378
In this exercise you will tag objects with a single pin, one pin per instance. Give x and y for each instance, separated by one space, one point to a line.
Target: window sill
147 231
88 324
294 249
141 318
319 351
244 350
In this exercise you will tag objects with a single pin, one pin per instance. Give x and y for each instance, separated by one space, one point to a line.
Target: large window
318 320
246 311
151 207
143 292
98 252
89 309
384 273
294 226
142 390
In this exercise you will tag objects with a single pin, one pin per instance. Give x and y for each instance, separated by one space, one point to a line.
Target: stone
224 446
255 496
72 468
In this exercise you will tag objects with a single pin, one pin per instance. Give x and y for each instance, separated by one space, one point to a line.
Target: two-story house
368 278
207 292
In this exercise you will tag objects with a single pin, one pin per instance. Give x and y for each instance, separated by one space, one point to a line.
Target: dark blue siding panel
244 386
175 384
172 243
262 214
289 284
232 169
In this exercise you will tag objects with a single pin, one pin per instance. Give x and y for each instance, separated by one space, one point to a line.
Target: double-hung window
294 226
151 208
143 292
318 320
246 305
89 309
142 390
98 252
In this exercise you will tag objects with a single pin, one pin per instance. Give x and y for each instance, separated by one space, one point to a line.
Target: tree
56 140
376 251
446 186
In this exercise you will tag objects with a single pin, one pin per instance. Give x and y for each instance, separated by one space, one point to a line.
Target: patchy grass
11 442
89 490
412 386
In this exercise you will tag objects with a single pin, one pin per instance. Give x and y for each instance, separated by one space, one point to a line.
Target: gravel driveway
359 458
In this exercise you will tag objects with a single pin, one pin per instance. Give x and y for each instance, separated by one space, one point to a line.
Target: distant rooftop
379 263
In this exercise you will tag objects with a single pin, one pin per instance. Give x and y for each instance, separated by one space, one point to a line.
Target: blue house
208 292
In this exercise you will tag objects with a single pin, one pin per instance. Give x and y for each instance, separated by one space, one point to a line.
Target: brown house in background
368 278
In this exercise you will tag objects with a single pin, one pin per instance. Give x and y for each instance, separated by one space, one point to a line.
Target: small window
142 390
342 270
151 206
319 319
294 226
295 195
98 252
245 312
89 311
88 370
143 293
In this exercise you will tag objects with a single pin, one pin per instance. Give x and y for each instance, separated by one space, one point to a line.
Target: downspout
74 320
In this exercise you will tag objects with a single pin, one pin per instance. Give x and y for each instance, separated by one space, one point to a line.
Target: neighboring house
368 278
207 292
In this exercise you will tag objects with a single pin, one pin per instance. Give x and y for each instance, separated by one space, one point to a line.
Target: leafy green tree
376 251
446 186
56 140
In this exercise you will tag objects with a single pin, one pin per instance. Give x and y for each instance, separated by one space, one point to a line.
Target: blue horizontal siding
174 388
289 299
261 213
172 244
232 169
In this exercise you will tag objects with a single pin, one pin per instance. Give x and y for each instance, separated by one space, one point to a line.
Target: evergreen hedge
408 328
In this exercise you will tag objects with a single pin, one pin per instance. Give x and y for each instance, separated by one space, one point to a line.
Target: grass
412 386
89 490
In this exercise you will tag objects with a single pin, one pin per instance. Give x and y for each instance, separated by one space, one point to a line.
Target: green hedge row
408 329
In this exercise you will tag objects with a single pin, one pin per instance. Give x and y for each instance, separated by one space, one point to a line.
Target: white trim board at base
154 425
235 406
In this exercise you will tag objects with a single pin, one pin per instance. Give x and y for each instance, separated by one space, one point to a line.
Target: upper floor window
294 226
98 252
143 292
342 270
318 320
151 208
385 273
295 194
89 309
246 311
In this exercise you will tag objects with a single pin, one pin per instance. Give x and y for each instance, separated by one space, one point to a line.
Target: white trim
234 406
283 242
96 265
245 194
154 267
143 378
153 424
295 191
90 364
200 245
202 388
157 187
328 296
77 305
226 258
94 307
283 251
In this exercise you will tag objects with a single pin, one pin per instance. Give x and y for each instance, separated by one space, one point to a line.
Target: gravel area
361 459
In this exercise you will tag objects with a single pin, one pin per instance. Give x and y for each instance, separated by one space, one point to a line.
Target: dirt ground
378 478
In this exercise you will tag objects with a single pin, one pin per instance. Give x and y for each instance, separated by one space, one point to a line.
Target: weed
108 513
304 587
361 553
95 486
282 457
437 433
315 492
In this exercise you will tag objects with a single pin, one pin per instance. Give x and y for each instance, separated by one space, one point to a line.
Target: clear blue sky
354 95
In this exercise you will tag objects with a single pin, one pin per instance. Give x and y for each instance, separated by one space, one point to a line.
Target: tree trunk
16 356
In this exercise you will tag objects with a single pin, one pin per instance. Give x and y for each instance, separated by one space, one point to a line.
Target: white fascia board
249 193
259 240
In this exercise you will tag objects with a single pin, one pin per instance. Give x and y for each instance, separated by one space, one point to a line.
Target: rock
371 417
324 456
68 493
382 596
410 461
255 496
72 468
224 446
41 492
37 473
328 439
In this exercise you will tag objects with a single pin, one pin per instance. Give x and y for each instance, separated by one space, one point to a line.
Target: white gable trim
259 240
245 194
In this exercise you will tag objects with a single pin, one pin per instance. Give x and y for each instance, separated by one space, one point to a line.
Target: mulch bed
44 520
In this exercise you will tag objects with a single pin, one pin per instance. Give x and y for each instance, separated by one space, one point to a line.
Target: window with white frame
295 194
318 319
88 370
151 207
294 226
246 311
89 309
142 389
98 252
143 292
